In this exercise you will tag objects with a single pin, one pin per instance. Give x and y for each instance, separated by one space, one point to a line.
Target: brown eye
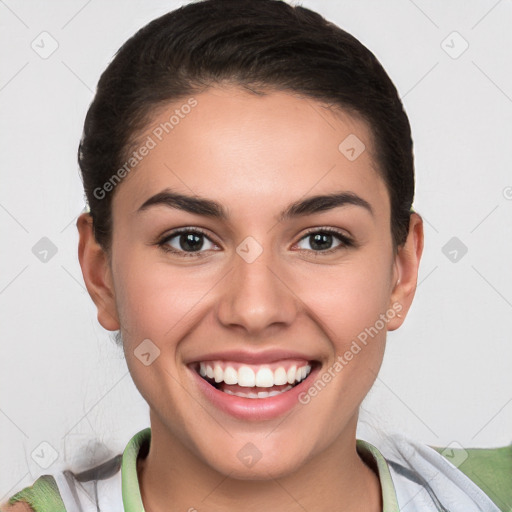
186 242
322 240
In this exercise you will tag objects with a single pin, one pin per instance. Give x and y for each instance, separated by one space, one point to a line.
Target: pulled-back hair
260 45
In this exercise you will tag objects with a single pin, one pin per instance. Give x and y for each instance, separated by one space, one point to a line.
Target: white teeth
247 376
280 377
230 375
259 394
265 378
218 374
301 374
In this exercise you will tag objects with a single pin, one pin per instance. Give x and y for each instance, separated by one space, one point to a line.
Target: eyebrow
214 210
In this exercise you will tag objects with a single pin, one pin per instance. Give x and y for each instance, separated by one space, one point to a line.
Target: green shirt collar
132 499
372 456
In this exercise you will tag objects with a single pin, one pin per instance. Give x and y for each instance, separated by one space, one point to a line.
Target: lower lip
255 409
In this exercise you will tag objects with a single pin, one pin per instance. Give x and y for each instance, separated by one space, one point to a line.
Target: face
252 283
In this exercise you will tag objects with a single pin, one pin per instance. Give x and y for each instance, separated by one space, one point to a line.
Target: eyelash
346 242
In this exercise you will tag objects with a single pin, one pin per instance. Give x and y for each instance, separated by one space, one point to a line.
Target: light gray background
446 373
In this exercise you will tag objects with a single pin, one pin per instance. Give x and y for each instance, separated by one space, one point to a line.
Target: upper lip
244 356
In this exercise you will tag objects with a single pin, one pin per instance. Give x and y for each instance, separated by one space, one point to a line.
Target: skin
255 155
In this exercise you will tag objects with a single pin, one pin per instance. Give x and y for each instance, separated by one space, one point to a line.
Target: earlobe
407 263
97 273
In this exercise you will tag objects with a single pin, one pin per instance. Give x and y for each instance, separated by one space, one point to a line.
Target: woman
249 172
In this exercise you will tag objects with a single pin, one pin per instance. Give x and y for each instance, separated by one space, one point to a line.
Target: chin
250 457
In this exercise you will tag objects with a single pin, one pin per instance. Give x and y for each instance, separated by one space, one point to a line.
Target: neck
172 478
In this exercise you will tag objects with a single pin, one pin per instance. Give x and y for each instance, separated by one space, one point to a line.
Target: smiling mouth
254 381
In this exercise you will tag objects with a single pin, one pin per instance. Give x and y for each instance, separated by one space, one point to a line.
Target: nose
258 296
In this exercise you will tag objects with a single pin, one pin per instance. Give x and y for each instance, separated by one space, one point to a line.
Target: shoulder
42 495
469 477
67 490
489 468
19 506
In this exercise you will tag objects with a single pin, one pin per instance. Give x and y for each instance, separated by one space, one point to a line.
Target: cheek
348 305
347 298
153 299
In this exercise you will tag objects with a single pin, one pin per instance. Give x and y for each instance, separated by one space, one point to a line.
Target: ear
97 273
405 272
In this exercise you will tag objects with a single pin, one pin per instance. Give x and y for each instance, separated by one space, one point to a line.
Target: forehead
241 148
